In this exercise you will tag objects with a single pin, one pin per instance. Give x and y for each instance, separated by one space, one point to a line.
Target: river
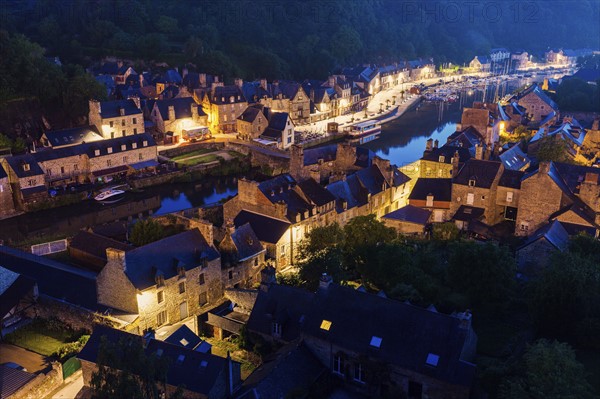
402 141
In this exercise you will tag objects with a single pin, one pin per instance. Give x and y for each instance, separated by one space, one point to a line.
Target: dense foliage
576 95
149 230
297 38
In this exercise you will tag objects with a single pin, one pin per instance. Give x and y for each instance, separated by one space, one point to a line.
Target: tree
445 231
362 236
146 231
126 371
549 370
553 149
345 43
484 272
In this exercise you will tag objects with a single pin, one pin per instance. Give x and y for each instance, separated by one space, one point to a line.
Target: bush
72 348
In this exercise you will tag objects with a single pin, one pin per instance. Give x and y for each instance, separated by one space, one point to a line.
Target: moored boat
363 132
110 196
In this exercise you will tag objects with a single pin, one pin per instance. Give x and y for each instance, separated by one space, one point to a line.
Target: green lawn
248 360
40 337
193 153
235 154
196 161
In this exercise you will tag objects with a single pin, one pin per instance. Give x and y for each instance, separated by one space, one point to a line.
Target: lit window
325 325
429 201
133 145
509 196
375 341
97 152
432 359
109 150
123 147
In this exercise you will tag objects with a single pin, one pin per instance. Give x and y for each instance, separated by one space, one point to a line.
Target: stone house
442 162
163 282
408 220
7 204
251 123
242 256
299 104
536 103
88 249
26 178
181 116
366 77
327 163
200 375
519 60
568 193
433 194
475 187
508 194
17 294
397 348
500 59
266 94
484 119
514 158
569 131
480 63
534 254
117 118
279 130
421 69
224 104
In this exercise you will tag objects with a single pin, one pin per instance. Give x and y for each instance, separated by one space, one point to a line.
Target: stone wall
42 385
7 205
113 286
535 107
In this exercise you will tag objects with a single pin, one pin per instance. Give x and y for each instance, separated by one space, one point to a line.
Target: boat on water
363 132
110 196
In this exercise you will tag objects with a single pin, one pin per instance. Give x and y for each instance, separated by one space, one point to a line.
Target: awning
143 165
109 171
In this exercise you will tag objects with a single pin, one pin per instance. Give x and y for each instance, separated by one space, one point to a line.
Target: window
276 329
134 145
338 365
438 216
255 262
134 122
145 143
224 117
358 373
161 317
509 196
182 287
203 299
123 122
123 147
134 130
201 279
470 198
183 311
432 359
125 159
112 135
524 226
111 123
62 169
31 182
108 162
375 341
160 296
141 156
230 274
429 202
109 150
325 325
49 172
123 133
160 281
441 159
289 140
471 182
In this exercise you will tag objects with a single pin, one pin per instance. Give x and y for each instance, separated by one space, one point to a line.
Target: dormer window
97 153
442 159
134 145
109 150
429 202
471 182
181 272
231 99
145 143
26 167
123 147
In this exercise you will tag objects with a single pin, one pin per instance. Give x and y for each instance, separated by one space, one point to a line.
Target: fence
70 366
48 248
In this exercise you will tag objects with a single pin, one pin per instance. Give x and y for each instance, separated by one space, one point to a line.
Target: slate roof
172 76
342 192
441 189
534 88
280 188
514 158
184 337
77 135
315 192
447 151
553 232
181 106
13 287
467 213
278 121
326 153
115 144
54 279
246 242
16 164
586 74
111 109
511 178
408 333
555 176
222 95
467 138
291 369
372 179
95 244
11 380
482 59
250 114
483 172
188 372
289 89
3 173
254 92
573 175
267 229
282 304
410 214
568 130
185 250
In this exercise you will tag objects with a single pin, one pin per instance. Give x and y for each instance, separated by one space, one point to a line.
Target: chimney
239 82
116 256
194 109
267 277
331 81
171 113
596 124
488 153
455 160
429 145
325 281
202 79
465 319
436 143
544 167
478 151
263 84
229 226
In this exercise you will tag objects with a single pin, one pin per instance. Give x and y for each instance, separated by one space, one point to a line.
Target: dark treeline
297 38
